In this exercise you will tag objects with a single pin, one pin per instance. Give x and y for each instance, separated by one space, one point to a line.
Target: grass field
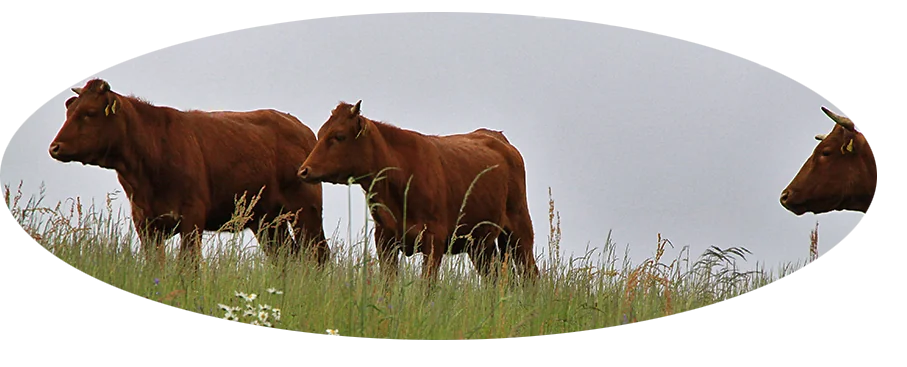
237 282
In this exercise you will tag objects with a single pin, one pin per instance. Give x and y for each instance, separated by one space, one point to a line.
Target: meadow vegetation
237 282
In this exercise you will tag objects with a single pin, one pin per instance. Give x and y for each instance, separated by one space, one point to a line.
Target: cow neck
141 161
873 166
390 191
862 201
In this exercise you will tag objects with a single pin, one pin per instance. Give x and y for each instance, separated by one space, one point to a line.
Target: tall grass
238 282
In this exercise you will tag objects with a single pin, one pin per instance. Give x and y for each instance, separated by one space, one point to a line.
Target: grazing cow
429 177
839 175
183 170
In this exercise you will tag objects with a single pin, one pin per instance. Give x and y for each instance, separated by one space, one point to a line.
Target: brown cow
839 175
183 170
429 176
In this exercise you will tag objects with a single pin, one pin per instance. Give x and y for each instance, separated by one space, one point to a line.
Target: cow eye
826 153
340 138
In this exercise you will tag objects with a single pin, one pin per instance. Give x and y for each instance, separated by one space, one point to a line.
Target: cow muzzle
305 173
784 196
788 204
55 151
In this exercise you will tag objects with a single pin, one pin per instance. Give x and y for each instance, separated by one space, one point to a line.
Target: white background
842 308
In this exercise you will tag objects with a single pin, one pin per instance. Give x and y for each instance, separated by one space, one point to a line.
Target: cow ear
111 108
355 110
77 90
69 101
361 126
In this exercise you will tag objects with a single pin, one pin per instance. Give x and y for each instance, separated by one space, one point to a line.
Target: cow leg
152 245
521 242
310 234
151 239
388 253
306 201
190 249
433 248
482 250
191 226
273 238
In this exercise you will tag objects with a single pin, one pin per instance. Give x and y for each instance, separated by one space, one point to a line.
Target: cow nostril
54 149
304 172
784 195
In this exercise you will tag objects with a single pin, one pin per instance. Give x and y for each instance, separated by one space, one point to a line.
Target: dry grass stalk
648 277
814 243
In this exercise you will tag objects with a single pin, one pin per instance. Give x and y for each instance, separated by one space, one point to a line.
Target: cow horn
821 137
838 119
355 109
77 90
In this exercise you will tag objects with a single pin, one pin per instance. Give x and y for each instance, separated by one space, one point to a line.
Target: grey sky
634 132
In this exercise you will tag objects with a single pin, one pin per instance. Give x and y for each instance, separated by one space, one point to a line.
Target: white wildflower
264 307
229 315
274 291
224 307
263 316
255 322
333 332
268 324
275 312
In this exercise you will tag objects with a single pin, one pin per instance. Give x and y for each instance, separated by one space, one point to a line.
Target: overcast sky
634 132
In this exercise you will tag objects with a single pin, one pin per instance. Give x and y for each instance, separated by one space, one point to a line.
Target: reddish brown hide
430 176
183 170
839 175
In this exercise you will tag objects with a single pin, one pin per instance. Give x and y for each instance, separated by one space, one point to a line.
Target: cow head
839 175
343 147
90 130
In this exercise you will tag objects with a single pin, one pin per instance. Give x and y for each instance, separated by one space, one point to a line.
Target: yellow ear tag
362 132
111 108
849 147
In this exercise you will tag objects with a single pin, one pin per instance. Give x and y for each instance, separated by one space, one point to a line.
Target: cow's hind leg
482 251
433 247
520 242
305 201
274 239
309 234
